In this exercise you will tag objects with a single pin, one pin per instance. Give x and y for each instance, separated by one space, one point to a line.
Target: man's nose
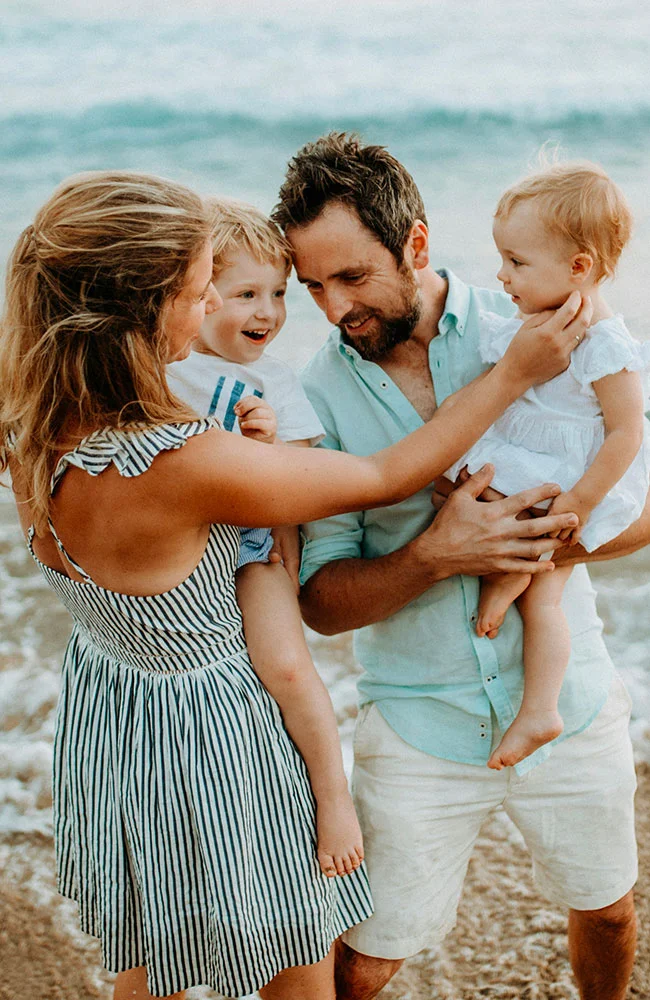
337 303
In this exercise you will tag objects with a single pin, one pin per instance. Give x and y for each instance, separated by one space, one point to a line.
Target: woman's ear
582 264
417 245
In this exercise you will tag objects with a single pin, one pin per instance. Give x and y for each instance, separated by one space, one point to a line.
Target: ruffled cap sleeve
132 451
608 348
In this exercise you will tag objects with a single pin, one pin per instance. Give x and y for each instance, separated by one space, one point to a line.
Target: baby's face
253 310
535 264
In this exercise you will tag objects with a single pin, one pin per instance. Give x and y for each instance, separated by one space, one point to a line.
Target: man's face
356 281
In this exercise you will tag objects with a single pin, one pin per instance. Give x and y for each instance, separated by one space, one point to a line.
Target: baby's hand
256 419
286 549
570 503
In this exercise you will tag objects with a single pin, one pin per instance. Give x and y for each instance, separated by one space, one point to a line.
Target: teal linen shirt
437 684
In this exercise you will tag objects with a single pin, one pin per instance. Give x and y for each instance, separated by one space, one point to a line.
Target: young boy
228 375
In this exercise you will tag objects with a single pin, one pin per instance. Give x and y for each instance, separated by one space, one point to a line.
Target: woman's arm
230 480
621 400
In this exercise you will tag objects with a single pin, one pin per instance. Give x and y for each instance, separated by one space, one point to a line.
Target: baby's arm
282 661
621 400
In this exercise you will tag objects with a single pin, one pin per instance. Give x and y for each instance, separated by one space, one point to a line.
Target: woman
183 819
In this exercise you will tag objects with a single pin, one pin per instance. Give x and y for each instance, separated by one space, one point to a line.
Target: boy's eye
246 295
281 292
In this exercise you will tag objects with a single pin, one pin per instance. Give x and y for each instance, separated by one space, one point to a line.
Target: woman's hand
542 347
256 419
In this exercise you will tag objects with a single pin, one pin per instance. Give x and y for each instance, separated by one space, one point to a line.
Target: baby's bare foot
498 592
528 732
340 844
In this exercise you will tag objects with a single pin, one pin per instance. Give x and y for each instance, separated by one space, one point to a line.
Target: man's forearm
350 593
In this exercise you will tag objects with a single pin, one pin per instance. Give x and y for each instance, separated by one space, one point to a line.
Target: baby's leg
276 643
498 592
547 647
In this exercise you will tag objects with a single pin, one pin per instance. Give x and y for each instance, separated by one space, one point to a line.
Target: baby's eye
515 262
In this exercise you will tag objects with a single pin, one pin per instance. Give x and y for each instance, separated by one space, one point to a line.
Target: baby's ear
582 265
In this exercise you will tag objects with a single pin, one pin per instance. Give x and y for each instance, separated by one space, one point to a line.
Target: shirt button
473 617
483 736
384 385
438 364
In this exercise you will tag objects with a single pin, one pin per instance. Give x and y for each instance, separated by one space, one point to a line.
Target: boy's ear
417 244
582 265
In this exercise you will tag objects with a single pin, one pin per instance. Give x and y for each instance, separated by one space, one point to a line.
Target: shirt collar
454 316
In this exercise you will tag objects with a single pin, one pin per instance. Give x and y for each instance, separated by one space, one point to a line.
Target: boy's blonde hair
581 204
82 337
238 226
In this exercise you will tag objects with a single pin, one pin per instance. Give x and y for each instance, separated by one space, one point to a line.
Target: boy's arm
621 399
286 541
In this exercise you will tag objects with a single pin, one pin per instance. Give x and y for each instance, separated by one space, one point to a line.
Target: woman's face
184 314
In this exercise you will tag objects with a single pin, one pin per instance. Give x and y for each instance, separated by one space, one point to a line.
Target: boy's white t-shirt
212 386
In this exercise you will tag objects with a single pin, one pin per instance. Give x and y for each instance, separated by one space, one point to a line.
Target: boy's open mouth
255 335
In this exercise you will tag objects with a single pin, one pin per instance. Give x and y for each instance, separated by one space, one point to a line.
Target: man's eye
355 277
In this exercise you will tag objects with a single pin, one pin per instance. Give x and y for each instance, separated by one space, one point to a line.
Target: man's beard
389 331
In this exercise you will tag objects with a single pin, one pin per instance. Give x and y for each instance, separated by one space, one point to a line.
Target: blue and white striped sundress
184 820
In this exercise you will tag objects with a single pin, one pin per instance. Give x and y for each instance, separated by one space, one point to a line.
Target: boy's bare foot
529 731
340 844
498 592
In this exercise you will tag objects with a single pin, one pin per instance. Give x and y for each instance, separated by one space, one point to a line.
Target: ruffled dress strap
130 451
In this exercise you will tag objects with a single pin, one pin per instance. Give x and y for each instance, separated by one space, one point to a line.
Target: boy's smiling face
252 313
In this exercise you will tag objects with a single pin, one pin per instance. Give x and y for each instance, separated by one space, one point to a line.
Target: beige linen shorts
421 816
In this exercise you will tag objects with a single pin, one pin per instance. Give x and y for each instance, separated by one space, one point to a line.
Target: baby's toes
327 864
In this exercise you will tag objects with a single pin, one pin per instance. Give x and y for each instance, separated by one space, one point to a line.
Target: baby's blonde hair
238 226
578 202
82 338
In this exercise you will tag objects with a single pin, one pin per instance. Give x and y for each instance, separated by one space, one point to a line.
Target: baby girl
560 230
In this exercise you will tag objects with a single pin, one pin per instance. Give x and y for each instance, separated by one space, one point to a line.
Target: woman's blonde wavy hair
82 340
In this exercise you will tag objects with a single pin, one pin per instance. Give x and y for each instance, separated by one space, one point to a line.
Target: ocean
220 95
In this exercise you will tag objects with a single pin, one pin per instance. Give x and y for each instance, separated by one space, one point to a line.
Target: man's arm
467 536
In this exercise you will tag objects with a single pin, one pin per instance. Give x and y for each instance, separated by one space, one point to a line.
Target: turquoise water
220 96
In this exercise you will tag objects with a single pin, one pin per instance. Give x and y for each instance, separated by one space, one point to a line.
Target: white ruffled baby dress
553 432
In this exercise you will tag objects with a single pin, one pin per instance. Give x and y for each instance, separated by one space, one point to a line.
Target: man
434 695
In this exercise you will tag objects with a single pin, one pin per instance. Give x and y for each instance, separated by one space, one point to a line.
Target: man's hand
256 419
473 537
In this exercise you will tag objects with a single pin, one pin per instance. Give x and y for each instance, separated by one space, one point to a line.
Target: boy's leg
281 658
576 813
547 647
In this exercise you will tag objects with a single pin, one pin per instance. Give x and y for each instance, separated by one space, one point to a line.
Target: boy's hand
286 549
256 419
570 503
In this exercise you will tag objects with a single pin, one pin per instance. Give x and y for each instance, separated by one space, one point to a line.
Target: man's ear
582 264
417 244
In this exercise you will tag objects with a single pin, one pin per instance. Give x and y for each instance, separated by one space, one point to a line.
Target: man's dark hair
339 168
